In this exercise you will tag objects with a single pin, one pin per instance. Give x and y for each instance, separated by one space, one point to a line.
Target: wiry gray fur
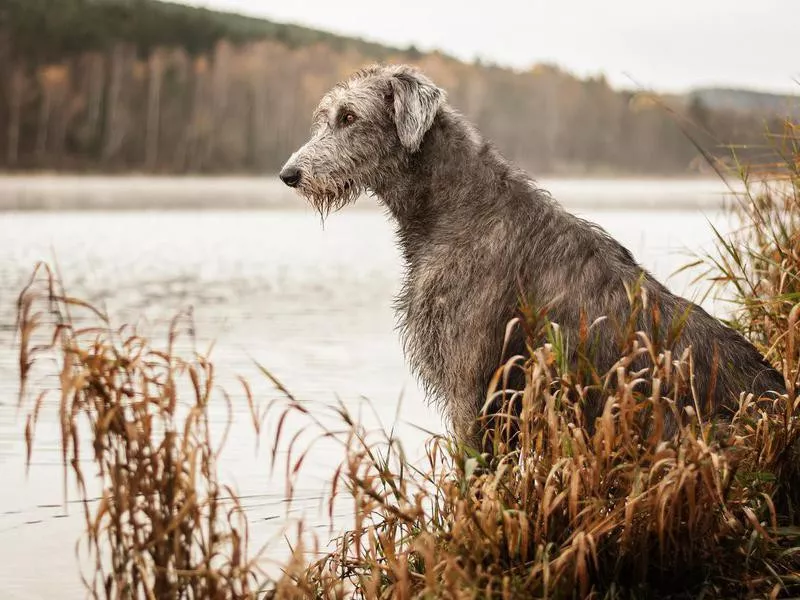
477 234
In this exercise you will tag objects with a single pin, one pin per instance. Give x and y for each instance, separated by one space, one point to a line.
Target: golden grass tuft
163 526
614 513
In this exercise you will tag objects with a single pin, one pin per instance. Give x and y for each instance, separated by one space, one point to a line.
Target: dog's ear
416 100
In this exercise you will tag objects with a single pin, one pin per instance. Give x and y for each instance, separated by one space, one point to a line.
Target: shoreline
61 192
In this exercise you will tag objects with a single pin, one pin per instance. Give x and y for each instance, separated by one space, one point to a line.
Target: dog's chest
445 311
433 293
429 305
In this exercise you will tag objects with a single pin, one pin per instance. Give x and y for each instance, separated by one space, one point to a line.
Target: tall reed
163 526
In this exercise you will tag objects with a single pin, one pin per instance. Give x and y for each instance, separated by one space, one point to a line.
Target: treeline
107 85
48 30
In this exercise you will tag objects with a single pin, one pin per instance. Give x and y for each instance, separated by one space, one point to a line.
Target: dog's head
362 130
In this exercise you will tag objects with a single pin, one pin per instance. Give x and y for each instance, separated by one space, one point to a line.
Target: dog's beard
328 195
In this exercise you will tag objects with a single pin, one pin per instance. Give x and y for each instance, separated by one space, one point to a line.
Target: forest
154 87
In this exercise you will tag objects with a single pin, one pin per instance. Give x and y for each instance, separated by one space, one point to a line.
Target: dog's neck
446 176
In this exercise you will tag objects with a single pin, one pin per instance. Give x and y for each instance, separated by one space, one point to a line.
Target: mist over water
312 303
60 192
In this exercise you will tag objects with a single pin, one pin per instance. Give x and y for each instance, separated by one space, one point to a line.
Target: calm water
312 303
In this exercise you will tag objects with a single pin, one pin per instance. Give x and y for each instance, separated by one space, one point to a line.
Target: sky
668 46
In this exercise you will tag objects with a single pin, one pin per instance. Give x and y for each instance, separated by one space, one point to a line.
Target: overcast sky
667 45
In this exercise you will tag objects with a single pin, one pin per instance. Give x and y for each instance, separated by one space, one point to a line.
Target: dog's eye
347 118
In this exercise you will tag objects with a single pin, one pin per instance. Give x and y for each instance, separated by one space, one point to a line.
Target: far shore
57 192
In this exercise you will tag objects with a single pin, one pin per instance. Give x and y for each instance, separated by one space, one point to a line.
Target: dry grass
163 527
613 511
758 267
616 513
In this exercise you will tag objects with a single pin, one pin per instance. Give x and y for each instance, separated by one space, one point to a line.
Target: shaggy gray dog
477 235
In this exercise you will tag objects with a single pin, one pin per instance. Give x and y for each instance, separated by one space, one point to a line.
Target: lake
267 282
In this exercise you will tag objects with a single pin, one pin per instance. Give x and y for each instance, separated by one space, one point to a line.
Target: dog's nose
290 176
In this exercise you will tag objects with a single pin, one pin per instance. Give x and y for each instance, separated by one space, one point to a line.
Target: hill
748 101
51 29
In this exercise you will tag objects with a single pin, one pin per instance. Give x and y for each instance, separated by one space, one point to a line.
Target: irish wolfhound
476 233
